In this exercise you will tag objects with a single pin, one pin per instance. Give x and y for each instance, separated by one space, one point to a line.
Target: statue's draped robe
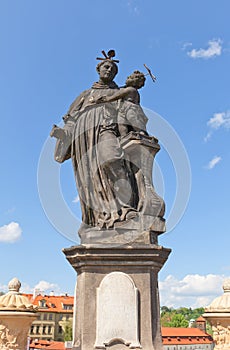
106 186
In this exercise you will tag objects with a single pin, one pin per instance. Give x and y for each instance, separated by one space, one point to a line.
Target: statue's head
136 79
107 70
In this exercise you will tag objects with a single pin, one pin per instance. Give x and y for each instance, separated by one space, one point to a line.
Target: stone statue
112 155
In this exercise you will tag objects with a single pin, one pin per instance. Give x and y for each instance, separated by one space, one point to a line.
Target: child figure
131 116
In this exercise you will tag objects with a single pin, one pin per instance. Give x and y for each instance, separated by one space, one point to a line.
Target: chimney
36 292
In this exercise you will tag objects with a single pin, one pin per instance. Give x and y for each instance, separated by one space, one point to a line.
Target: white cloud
192 291
186 45
215 160
10 233
208 136
3 288
219 120
42 286
214 49
45 286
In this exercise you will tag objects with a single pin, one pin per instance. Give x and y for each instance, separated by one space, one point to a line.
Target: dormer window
67 307
42 303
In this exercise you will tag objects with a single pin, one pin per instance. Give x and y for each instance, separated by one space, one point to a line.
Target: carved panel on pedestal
117 311
221 336
8 338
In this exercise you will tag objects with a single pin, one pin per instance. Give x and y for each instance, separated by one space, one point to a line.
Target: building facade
54 316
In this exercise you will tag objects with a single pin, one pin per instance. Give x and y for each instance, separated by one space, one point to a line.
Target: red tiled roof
184 336
39 343
200 319
57 345
53 303
50 345
42 342
179 331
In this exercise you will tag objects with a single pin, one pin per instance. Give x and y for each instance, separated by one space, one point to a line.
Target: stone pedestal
116 298
218 315
16 317
14 328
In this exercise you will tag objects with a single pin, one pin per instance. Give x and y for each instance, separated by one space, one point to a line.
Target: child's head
136 79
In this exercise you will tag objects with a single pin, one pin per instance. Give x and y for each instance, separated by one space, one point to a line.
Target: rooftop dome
15 301
222 303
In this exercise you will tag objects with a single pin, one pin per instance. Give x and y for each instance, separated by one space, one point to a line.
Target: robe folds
104 179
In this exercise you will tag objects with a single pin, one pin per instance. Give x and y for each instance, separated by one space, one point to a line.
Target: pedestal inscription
117 311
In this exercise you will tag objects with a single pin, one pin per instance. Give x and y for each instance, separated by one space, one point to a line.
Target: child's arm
122 93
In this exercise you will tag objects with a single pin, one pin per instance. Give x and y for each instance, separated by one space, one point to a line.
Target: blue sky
48 51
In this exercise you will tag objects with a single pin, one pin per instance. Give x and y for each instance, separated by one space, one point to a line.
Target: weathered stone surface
15 301
112 155
116 298
142 264
117 311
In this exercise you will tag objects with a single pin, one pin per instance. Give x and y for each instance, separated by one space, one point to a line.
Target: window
45 317
32 329
44 330
50 317
67 307
60 317
49 329
37 329
42 303
60 329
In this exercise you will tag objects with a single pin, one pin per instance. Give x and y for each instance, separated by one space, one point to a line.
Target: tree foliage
180 317
68 332
67 327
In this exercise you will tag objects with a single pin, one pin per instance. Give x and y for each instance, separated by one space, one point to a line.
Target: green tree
68 332
196 312
67 327
165 309
166 318
178 320
209 328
